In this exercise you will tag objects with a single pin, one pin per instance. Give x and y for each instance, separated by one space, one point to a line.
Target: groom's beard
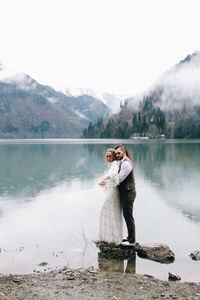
119 158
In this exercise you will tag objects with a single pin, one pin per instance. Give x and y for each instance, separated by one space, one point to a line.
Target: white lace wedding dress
110 224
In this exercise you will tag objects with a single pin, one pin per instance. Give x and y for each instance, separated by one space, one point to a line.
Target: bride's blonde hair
112 151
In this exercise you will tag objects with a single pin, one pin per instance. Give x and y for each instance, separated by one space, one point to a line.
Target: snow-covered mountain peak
111 100
22 80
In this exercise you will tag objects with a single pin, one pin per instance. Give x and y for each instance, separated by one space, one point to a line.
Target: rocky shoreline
110 281
92 284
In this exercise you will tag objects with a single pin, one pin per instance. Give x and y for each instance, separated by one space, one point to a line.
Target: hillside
170 107
31 110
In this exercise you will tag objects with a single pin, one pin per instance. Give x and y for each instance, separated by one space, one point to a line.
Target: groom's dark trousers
127 198
127 194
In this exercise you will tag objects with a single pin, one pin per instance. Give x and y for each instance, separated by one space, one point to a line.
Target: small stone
93 271
195 255
173 277
67 272
70 277
148 276
43 263
16 280
198 294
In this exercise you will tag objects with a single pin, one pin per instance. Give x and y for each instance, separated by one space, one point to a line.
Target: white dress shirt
125 170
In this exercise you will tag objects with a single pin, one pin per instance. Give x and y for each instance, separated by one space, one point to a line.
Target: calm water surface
50 204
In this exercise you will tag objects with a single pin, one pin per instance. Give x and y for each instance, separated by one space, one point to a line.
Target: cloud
177 87
22 80
181 85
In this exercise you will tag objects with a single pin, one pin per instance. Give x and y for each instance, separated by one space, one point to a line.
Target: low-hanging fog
176 88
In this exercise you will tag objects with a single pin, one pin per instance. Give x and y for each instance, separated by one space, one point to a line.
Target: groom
127 192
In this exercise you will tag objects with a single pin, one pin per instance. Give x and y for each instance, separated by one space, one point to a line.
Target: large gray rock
157 252
112 250
195 255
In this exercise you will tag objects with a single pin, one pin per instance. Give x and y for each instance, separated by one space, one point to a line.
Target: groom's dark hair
120 146
123 149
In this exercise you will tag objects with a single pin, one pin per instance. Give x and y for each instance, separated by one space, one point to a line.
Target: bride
110 225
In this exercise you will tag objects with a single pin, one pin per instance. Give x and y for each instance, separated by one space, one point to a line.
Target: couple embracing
119 185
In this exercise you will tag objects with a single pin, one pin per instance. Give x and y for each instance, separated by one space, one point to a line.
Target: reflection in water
29 169
110 264
26 170
131 265
174 170
163 163
49 193
116 265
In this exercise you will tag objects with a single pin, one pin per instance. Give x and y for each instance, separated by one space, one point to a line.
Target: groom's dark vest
129 182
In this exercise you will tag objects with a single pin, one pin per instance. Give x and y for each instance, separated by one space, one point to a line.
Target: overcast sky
118 46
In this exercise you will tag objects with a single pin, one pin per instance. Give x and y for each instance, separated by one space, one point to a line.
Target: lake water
50 204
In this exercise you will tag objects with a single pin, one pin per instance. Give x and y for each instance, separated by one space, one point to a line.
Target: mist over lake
50 202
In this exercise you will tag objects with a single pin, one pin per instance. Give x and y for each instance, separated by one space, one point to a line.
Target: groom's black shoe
129 244
125 240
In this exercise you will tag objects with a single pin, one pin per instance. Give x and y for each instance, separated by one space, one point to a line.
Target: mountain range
29 109
112 101
170 108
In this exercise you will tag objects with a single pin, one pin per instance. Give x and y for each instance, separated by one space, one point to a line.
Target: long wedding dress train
110 224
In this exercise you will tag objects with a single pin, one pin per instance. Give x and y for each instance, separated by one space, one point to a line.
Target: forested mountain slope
31 110
170 107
